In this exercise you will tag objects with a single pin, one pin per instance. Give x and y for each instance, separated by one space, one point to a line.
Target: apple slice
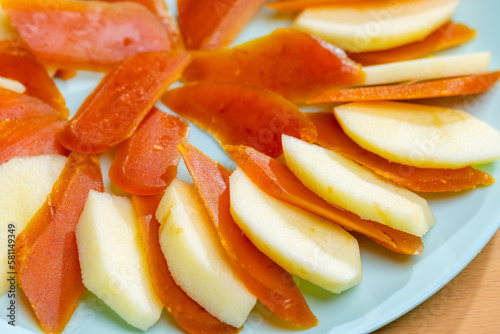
195 256
376 25
344 183
304 244
419 135
12 85
112 259
427 68
448 35
25 183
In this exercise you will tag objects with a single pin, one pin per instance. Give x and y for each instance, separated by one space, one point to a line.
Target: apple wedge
304 244
112 259
195 256
25 184
375 25
419 135
344 183
427 68
12 85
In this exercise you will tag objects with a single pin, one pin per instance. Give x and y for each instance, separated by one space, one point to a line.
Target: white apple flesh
427 68
419 135
365 26
347 185
302 243
195 256
12 85
112 259
25 183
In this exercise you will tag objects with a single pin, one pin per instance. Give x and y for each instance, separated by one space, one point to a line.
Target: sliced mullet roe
470 84
86 35
277 180
241 115
121 101
19 106
17 63
289 62
146 163
46 253
449 35
30 137
160 9
270 283
213 24
66 74
188 314
331 136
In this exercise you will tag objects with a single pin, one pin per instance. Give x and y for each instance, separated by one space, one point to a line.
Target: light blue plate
392 284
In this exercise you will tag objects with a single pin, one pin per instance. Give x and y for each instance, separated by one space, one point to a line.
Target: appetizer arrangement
211 250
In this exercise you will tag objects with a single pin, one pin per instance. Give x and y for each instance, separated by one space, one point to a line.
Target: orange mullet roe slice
66 74
160 9
288 62
331 136
270 283
46 252
146 163
241 115
30 137
121 101
213 24
188 314
17 63
470 84
278 181
449 35
20 106
86 35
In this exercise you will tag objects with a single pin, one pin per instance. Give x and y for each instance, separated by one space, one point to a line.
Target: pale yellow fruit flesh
112 259
365 27
304 244
346 184
12 85
419 135
25 183
195 257
427 68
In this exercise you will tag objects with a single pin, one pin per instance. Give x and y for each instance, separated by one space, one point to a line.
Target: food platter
392 284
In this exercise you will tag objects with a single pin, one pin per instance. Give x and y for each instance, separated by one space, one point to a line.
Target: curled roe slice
146 163
289 62
121 101
86 35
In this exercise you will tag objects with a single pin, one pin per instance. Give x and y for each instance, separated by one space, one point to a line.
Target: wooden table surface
470 303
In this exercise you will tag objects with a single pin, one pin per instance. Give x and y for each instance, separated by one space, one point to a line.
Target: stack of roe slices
205 252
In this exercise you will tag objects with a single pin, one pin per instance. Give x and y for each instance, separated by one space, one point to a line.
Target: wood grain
470 303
